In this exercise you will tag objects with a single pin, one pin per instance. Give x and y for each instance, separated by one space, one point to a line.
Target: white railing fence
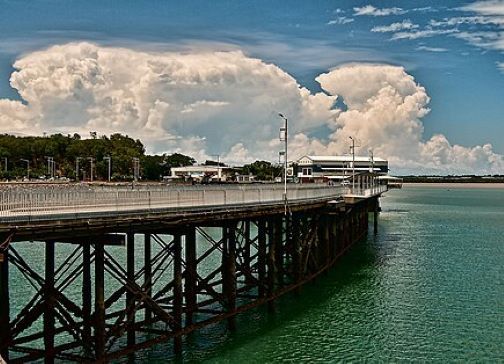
22 203
35 203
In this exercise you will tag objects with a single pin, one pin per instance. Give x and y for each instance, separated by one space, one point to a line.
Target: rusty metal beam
147 272
191 274
177 291
99 315
49 302
5 336
130 297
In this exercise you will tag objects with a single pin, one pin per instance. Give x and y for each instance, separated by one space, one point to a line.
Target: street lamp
109 165
352 148
50 166
219 171
91 160
371 158
77 159
136 168
27 167
284 137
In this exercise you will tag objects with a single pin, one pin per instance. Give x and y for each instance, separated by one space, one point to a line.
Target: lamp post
353 162
50 167
77 159
109 160
136 168
27 167
284 138
91 160
219 171
371 158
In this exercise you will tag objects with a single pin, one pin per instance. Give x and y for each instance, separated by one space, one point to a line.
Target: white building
319 168
203 173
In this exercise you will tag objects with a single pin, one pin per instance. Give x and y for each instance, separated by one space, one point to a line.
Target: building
202 174
338 169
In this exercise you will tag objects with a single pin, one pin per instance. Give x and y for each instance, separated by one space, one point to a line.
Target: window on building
307 171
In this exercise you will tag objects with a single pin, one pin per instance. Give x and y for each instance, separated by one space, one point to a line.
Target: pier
152 264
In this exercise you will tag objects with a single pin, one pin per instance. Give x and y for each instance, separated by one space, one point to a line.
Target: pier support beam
271 264
279 249
247 263
297 252
191 274
148 273
229 271
86 297
4 305
130 297
99 319
177 291
261 257
49 303
375 217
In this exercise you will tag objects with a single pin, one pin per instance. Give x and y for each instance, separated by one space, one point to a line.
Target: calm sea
429 288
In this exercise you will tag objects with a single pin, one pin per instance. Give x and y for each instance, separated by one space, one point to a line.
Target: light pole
27 167
109 165
353 162
219 171
50 166
91 160
371 158
77 159
284 138
136 168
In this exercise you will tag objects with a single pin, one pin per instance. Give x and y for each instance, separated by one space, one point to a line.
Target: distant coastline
489 185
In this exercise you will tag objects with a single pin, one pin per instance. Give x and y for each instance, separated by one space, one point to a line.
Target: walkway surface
30 203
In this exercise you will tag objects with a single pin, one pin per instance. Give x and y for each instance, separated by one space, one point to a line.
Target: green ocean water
429 287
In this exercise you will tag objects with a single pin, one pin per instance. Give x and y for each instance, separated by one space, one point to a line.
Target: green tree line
16 153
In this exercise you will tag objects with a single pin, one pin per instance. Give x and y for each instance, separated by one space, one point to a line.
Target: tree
263 170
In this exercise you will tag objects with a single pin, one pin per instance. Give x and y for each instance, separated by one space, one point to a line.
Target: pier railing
38 203
366 191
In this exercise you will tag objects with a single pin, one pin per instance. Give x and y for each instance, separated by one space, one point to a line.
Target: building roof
199 168
341 158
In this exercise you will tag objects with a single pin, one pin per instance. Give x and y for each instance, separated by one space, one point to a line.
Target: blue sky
454 50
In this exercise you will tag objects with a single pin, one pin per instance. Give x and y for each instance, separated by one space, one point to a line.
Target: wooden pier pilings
170 279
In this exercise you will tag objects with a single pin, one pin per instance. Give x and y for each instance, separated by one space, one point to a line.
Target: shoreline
473 185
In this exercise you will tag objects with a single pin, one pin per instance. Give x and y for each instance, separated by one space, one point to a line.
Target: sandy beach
456 185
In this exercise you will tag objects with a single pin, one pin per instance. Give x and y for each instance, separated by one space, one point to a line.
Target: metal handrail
36 203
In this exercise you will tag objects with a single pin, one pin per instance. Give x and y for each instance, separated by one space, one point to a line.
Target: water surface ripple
428 288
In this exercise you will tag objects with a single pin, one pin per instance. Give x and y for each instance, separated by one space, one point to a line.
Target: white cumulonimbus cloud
226 103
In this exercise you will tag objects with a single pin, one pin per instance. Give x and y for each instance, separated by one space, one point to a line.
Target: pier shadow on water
292 318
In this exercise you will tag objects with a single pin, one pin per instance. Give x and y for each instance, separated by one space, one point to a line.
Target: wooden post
246 250
375 217
296 251
86 297
229 271
4 305
261 257
279 250
130 297
148 273
99 322
334 235
190 275
271 264
49 331
177 291
328 221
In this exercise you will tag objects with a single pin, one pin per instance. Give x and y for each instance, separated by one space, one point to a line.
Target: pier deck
193 256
